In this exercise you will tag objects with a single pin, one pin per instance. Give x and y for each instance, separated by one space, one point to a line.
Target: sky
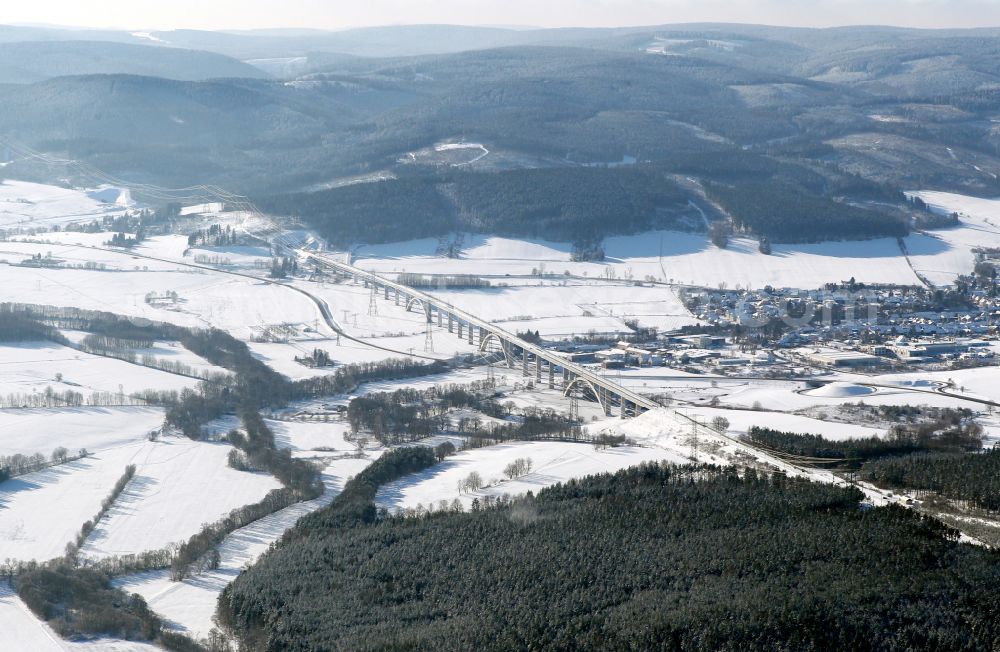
339 14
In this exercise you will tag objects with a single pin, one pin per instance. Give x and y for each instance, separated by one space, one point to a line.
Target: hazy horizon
316 14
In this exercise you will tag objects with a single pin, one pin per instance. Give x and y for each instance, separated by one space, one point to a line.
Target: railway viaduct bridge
544 365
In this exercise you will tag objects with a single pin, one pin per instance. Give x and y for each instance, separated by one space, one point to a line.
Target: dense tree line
779 202
200 551
81 601
318 358
256 442
901 440
407 415
223 235
654 557
370 212
974 478
581 205
15 326
565 204
20 464
356 503
72 549
784 212
144 221
126 241
283 266
348 377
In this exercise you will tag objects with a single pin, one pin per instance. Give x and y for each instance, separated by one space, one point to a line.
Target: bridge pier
387 293
538 370
459 323
471 329
552 374
439 317
524 363
451 323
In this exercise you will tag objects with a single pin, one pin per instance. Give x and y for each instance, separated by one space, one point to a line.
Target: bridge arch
582 382
504 348
412 301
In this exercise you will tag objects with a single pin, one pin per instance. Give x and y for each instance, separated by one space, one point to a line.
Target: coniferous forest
652 558
974 478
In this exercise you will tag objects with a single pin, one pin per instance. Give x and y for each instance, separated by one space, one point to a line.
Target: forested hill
27 62
652 558
799 134
580 205
584 205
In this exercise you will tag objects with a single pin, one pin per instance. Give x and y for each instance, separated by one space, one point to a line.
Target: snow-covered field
790 399
179 485
189 605
94 428
740 421
41 512
71 248
32 367
552 462
943 254
29 205
233 303
169 353
689 259
980 382
304 436
670 256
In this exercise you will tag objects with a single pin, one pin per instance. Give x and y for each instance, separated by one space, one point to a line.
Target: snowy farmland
552 462
669 256
29 205
948 252
94 428
31 367
740 422
690 259
189 605
43 511
233 303
179 486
